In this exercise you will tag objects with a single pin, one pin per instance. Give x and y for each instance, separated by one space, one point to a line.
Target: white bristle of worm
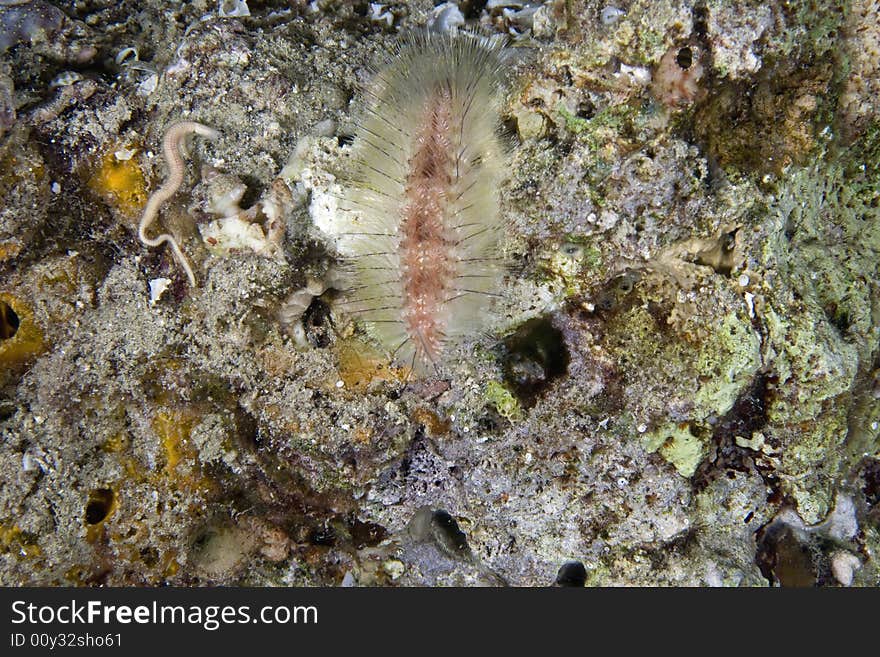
421 227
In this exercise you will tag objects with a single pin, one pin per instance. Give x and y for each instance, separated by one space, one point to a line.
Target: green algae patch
678 446
816 370
821 324
503 401
713 370
606 126
727 364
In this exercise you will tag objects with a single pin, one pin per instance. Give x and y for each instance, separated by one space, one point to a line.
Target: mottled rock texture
682 387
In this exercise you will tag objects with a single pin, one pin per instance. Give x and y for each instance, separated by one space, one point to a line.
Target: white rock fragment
124 154
635 76
610 15
294 307
736 40
324 211
750 302
233 8
543 25
756 442
842 523
157 287
233 234
148 85
65 79
380 14
227 195
843 566
713 575
446 18
394 568
125 54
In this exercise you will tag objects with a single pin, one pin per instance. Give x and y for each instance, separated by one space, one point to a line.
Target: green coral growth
503 400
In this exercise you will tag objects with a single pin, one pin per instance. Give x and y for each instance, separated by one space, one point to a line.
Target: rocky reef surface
682 386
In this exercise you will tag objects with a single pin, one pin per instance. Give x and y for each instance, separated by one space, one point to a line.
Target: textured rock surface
683 389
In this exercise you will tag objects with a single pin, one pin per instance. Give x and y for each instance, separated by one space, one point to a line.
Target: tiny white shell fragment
149 85
379 14
394 568
233 8
124 55
232 233
610 15
638 76
65 79
124 154
445 19
750 302
157 287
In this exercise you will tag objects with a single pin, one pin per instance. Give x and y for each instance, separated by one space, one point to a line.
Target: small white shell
446 18
65 79
610 15
123 55
157 287
233 8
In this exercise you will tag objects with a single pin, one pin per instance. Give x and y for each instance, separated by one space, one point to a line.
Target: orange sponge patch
120 182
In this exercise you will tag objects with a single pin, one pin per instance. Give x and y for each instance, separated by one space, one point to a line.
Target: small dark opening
685 58
317 323
470 8
448 533
99 505
150 556
586 109
9 321
366 534
536 356
323 535
572 573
